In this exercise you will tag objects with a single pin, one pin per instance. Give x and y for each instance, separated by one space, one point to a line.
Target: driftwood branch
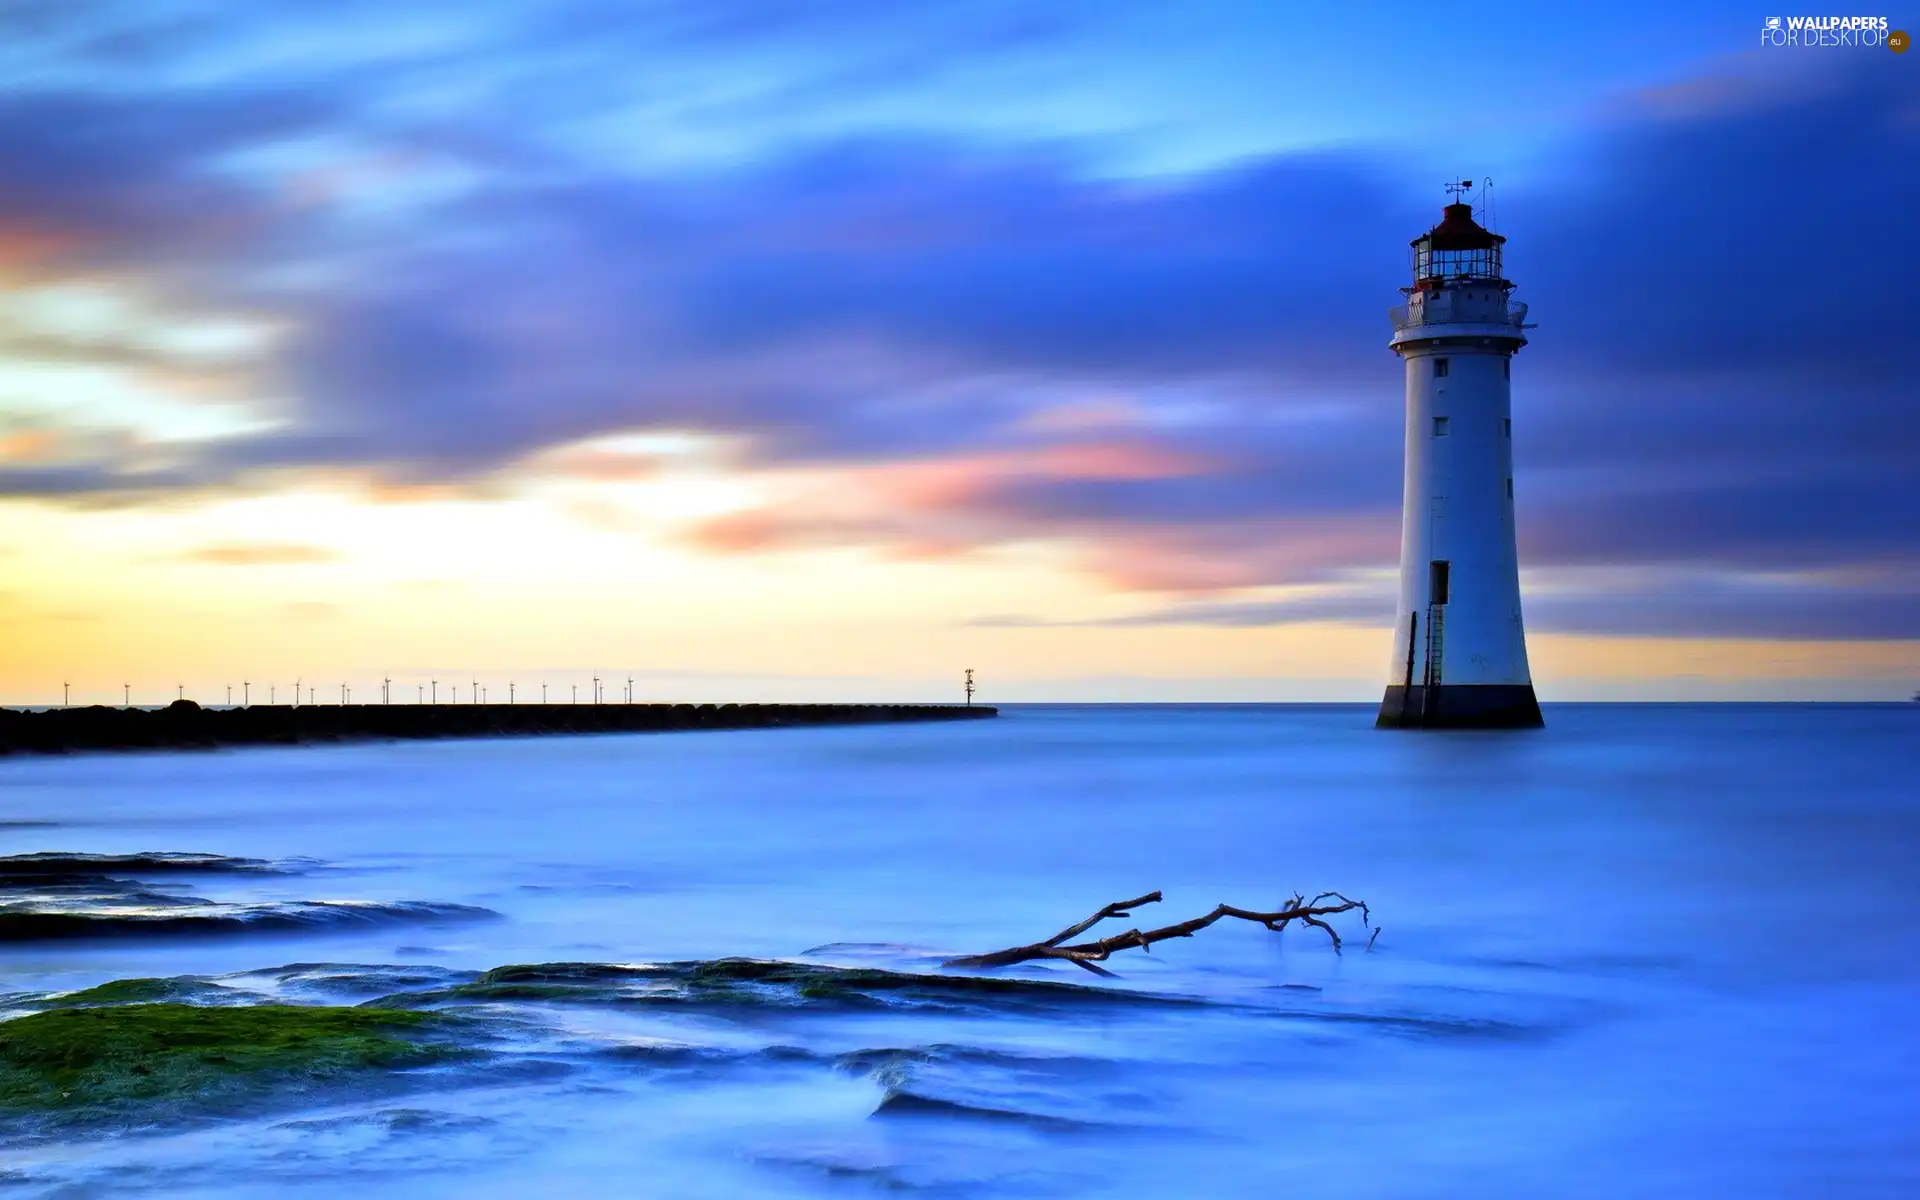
1088 954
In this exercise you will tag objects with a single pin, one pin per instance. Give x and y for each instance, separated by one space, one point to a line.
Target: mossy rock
155 1056
763 982
148 991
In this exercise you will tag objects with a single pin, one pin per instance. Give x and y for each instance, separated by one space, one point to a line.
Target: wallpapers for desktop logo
1832 31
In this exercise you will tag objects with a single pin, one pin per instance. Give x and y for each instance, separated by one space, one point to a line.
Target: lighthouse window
1506 426
1440 427
1509 489
1506 368
1439 368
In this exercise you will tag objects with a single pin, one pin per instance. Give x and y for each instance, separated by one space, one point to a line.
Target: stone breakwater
184 725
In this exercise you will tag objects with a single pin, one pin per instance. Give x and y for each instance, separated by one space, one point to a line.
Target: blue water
1649 951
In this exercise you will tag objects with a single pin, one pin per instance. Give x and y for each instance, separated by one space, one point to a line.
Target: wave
890 1064
59 896
349 980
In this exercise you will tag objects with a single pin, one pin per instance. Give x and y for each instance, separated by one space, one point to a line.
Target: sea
1647 951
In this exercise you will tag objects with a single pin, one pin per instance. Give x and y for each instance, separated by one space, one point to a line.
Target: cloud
27 445
1865 605
1746 232
94 181
102 484
1181 379
598 465
900 303
1691 602
1371 609
260 554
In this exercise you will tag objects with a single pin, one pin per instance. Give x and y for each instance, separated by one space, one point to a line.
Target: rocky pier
185 725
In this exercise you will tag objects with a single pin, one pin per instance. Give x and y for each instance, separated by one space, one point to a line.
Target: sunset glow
843 355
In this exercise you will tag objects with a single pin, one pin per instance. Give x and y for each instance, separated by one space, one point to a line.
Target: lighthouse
1459 647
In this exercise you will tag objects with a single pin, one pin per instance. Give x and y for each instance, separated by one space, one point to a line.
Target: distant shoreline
184 725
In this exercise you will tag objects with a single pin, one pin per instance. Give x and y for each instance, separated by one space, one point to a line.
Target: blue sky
1099 285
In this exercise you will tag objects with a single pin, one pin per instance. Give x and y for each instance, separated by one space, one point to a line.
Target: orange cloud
1248 554
601 466
919 485
1163 563
743 532
381 491
28 446
260 554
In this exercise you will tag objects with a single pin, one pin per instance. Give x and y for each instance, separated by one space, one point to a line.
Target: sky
812 350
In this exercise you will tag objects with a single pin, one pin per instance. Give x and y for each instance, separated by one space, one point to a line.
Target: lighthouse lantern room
1460 649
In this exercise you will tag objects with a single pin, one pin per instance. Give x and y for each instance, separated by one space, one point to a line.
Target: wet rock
200 918
155 1059
753 982
62 897
52 863
899 1103
182 990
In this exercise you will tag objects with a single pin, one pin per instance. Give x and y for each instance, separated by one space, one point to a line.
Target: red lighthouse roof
1458 230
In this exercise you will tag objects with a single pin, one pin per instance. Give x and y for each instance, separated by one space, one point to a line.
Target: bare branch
1117 909
1317 923
1086 954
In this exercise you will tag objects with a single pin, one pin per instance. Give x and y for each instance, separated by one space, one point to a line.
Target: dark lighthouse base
1460 706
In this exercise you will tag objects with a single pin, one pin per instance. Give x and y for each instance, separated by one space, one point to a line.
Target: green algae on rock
182 990
136 1056
780 983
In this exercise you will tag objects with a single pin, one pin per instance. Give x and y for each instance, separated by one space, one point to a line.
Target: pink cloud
1202 560
949 482
947 507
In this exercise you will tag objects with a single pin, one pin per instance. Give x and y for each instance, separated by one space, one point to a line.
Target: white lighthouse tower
1459 650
